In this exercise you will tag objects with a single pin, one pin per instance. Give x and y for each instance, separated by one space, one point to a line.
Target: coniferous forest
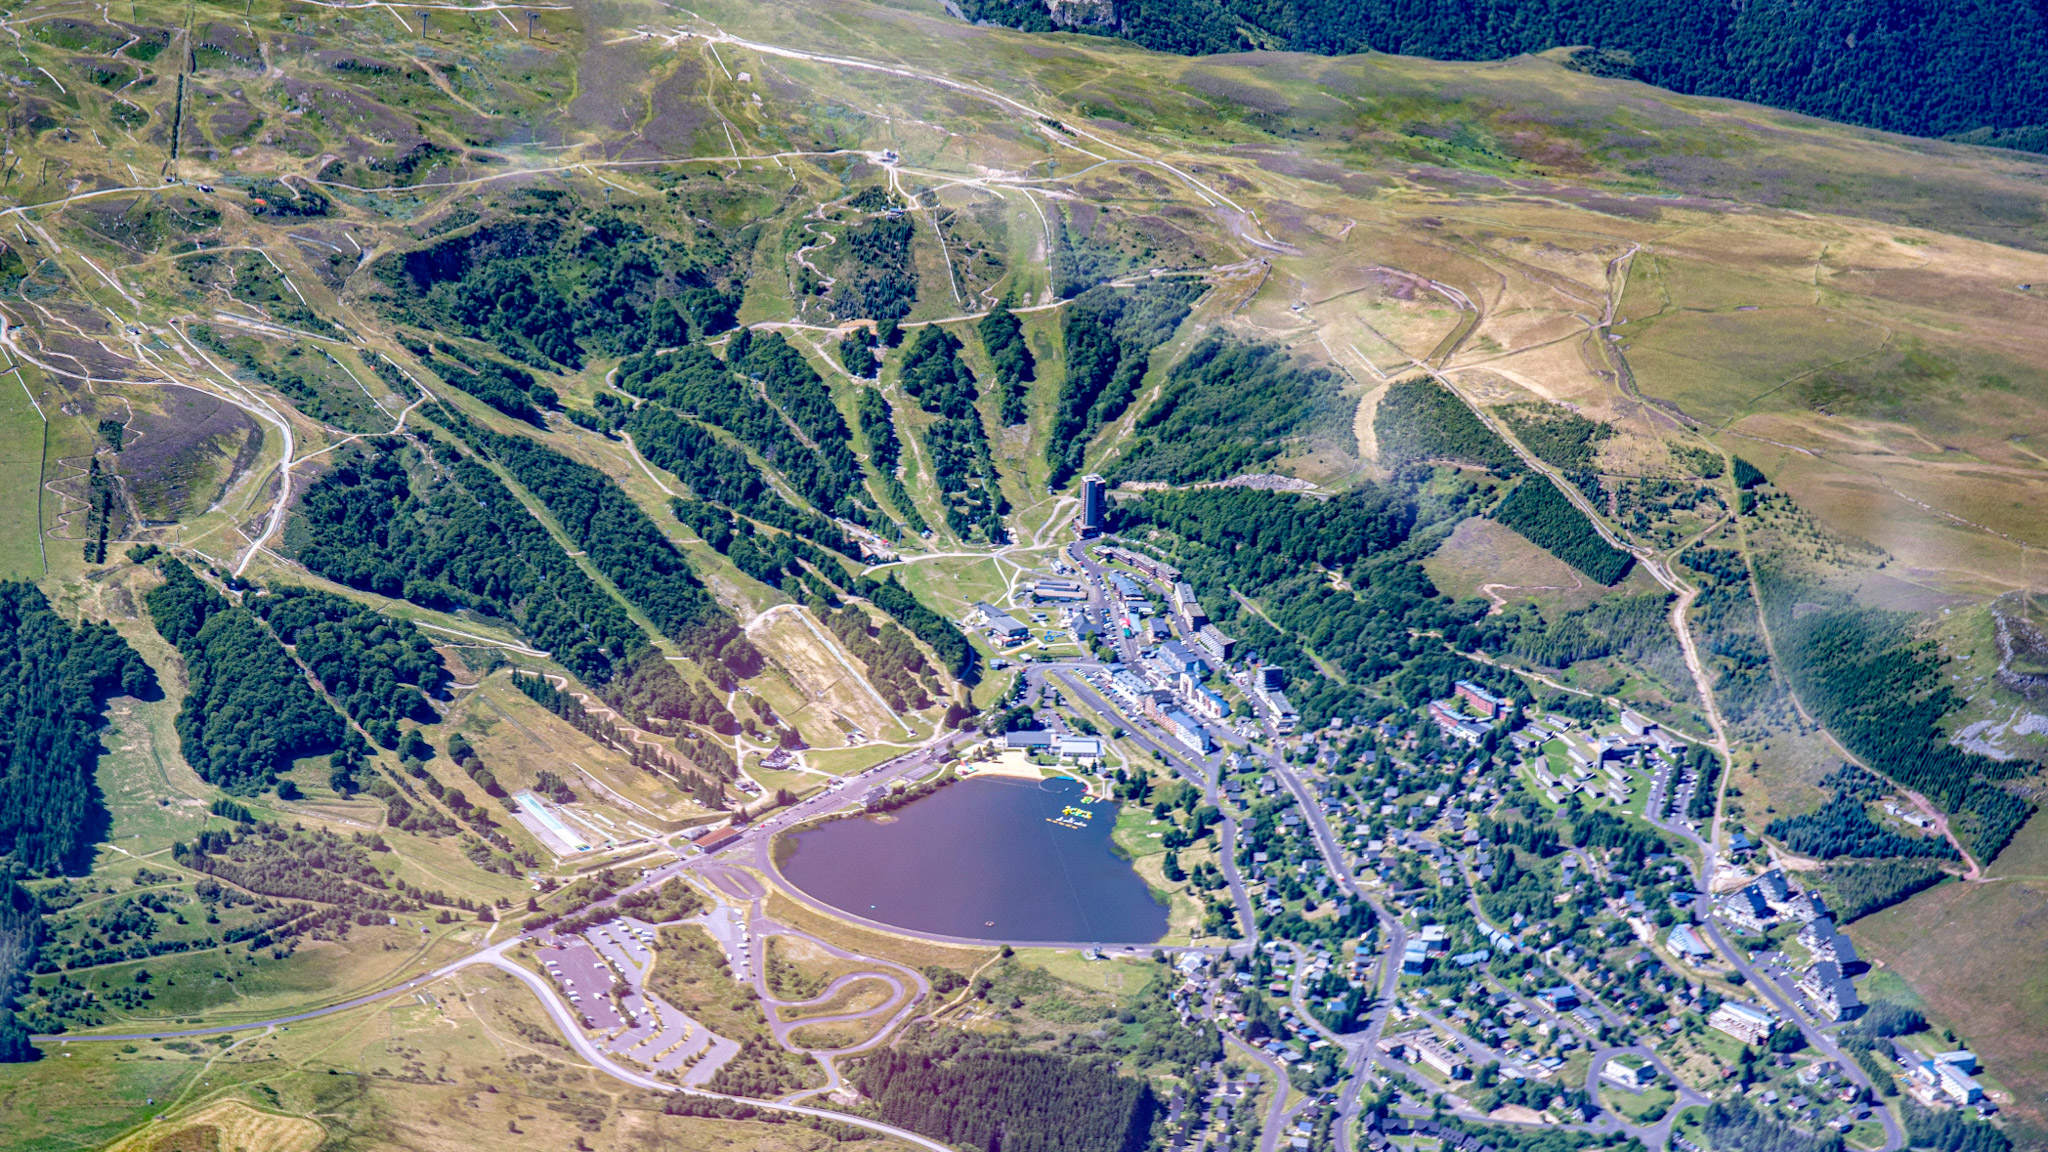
1976 71
55 676
444 532
1537 510
248 711
621 540
1230 407
934 375
1020 1101
1109 336
1882 694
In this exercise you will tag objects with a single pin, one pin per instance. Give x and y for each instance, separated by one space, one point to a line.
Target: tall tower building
1094 505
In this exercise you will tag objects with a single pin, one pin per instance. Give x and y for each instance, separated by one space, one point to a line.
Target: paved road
566 1023
752 847
1202 775
1656 1134
1277 1113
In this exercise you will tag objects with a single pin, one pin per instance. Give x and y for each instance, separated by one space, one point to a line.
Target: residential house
1436 939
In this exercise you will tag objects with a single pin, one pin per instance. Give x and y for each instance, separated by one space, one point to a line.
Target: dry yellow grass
226 1126
815 686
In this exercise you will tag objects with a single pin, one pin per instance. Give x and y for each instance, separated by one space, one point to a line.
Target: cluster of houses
1132 611
1770 900
1424 1046
1158 705
1600 763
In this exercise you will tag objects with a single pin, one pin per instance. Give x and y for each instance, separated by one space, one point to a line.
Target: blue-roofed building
1188 731
1179 658
1686 944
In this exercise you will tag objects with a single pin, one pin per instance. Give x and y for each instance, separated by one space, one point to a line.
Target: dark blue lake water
978 858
